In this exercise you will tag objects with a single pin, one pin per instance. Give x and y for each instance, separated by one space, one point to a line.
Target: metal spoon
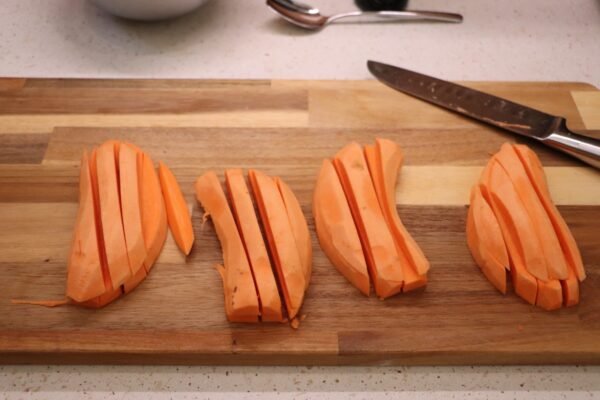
308 17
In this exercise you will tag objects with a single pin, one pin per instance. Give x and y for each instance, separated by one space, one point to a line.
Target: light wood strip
451 185
259 119
588 104
42 232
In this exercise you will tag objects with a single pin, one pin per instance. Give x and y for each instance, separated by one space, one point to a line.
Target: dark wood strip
23 148
292 148
12 84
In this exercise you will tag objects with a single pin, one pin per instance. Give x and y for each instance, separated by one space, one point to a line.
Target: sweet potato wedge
484 238
299 227
241 298
336 230
85 278
549 243
384 161
130 206
154 213
280 239
178 214
111 216
247 222
382 256
534 169
501 197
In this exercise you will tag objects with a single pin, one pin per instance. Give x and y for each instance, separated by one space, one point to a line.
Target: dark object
379 5
545 128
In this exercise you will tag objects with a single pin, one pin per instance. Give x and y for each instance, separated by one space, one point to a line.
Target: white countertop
499 40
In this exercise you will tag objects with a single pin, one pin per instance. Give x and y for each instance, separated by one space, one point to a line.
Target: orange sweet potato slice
299 227
280 239
484 238
384 161
495 184
570 287
549 296
336 230
247 222
152 205
505 201
178 214
241 298
110 215
85 279
103 299
536 175
383 261
550 246
130 206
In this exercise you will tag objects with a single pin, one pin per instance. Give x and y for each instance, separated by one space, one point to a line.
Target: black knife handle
585 148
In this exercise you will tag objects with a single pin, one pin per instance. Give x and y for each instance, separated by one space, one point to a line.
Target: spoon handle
392 16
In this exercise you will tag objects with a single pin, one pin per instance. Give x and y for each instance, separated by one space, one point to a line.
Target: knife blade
517 118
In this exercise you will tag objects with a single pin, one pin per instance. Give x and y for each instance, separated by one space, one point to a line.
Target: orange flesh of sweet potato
391 158
549 296
178 214
154 214
299 227
130 207
103 299
84 279
280 239
550 246
110 214
484 238
535 172
241 298
378 244
524 282
247 222
99 231
384 161
336 229
570 287
521 226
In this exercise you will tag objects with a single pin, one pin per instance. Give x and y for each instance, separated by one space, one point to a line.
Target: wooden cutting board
284 128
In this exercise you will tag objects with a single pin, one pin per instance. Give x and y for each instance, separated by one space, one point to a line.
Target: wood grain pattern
285 128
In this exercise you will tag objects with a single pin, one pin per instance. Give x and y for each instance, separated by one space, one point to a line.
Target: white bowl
148 10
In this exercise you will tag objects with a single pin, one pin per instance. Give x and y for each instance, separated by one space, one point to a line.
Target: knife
548 129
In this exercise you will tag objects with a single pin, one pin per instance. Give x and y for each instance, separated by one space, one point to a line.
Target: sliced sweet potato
247 222
549 296
178 214
524 282
570 287
384 161
549 243
241 298
110 214
299 227
382 257
520 227
336 230
130 206
536 175
99 231
103 299
484 238
84 272
280 239
154 214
